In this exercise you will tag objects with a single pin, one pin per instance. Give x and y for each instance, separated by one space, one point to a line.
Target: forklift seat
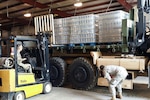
33 62
21 69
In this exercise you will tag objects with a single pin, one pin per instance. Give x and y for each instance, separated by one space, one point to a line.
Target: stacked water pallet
76 29
84 29
102 28
110 24
62 30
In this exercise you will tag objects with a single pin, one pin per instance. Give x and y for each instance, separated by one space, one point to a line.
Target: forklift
15 82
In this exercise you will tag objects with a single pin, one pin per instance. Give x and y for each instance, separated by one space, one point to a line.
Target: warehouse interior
64 43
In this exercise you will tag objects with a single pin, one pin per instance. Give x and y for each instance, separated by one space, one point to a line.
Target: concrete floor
98 93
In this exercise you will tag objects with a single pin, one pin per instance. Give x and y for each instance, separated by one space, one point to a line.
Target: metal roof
12 11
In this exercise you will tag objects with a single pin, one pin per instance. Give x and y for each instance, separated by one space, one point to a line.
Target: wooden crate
127 83
137 63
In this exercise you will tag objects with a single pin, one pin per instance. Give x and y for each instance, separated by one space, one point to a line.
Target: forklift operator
26 67
115 76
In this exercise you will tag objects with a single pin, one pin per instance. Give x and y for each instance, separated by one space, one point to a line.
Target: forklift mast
44 46
142 41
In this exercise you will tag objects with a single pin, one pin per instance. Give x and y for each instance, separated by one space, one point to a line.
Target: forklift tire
57 71
47 87
82 75
19 96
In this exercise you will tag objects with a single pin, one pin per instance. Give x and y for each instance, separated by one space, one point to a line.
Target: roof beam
113 9
60 13
90 6
12 20
40 5
34 3
125 4
78 13
52 2
2 16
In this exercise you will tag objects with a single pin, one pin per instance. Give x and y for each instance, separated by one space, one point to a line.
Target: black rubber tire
57 71
97 74
19 96
47 87
82 74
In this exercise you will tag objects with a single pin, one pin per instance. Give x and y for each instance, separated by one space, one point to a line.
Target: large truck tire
82 74
57 71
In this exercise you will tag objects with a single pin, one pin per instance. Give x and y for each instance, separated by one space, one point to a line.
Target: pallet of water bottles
99 28
76 38
76 29
110 26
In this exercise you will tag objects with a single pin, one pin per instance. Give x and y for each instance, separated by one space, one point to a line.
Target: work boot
119 95
113 98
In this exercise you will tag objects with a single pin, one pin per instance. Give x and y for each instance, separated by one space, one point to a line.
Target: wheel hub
54 72
19 97
48 88
80 74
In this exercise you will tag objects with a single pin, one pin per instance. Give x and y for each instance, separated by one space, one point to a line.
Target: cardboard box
127 83
102 82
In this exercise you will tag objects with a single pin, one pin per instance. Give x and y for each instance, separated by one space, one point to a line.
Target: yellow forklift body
31 90
7 80
8 84
31 87
25 78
